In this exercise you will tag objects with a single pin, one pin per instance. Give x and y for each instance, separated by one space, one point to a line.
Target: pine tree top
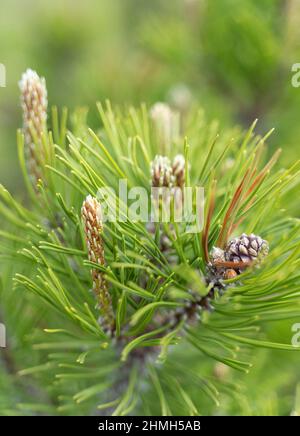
175 310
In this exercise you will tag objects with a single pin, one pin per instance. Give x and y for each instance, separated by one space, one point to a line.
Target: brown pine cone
246 248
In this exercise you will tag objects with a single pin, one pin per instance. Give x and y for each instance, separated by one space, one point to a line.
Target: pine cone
246 248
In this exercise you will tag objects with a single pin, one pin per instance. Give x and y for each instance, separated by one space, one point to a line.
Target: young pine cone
246 248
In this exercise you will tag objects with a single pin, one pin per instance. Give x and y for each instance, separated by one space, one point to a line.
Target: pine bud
164 174
34 105
246 248
91 214
161 172
163 121
178 169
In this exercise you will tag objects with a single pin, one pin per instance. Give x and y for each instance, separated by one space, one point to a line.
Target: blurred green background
233 57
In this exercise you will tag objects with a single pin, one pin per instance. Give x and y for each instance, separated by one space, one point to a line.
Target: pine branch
164 295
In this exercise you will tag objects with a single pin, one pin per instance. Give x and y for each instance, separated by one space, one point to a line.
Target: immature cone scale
244 249
34 105
91 214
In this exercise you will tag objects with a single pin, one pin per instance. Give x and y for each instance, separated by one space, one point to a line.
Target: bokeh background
232 57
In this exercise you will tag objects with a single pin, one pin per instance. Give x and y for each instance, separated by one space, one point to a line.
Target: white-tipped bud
34 105
165 174
164 121
178 168
161 172
91 215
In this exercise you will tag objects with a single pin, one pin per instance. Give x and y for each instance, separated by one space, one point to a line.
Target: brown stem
233 265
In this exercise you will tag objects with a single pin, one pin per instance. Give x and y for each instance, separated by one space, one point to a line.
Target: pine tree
126 317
